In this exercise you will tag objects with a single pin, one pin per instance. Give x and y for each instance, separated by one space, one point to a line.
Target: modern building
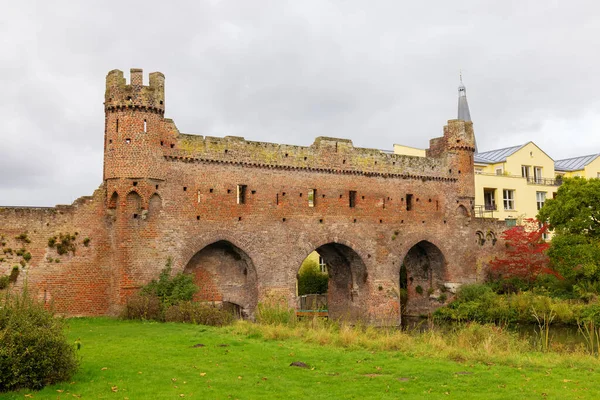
513 183
584 166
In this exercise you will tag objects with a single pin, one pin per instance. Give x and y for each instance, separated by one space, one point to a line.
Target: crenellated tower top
120 95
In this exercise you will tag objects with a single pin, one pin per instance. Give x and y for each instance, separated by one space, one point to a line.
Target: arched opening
225 276
154 206
345 281
422 276
113 202
133 205
462 211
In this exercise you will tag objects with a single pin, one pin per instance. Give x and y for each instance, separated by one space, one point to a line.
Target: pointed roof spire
463 106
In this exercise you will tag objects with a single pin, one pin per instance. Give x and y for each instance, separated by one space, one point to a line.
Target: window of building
489 199
545 234
409 198
499 171
241 194
597 174
525 171
540 198
312 194
509 199
537 174
479 170
322 265
352 198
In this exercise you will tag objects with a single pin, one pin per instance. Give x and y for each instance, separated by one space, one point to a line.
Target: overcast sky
375 72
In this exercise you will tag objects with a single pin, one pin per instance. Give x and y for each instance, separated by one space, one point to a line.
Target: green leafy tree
574 216
311 280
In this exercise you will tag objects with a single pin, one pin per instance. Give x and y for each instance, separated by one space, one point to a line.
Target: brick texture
236 214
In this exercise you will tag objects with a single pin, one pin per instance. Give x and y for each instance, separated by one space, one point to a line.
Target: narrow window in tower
117 125
352 198
199 196
409 198
241 194
145 126
312 193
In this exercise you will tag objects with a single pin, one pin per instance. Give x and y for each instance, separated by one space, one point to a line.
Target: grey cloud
287 71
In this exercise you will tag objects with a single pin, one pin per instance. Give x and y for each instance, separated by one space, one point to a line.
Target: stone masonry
241 216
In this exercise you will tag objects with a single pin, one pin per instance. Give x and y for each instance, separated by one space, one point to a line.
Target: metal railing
485 211
544 181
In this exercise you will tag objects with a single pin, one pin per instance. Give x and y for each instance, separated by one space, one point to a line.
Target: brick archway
347 287
425 270
225 276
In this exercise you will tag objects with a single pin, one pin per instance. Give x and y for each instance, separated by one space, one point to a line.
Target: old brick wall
242 216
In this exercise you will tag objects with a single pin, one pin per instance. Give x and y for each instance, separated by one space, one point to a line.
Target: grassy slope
134 360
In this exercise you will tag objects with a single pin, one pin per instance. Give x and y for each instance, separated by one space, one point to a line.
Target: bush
198 313
34 351
171 290
4 280
144 307
474 292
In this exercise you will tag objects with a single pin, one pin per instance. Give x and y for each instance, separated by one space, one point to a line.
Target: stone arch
425 267
480 238
347 288
113 202
462 211
133 204
226 276
154 206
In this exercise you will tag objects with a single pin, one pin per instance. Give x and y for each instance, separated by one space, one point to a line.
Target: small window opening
341 195
228 190
305 158
162 143
199 196
323 196
185 188
211 190
172 145
225 151
283 219
253 192
343 161
300 194
161 102
134 183
393 162
197 218
401 221
117 125
286 154
277 199
354 220
283 194
239 218
156 187
145 126
352 198
311 197
128 140
381 221
423 222
241 194
449 171
135 216
109 141
409 204
430 200
375 162
437 205
321 221
459 171
363 197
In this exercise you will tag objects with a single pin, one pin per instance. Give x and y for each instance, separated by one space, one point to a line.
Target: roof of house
496 156
575 163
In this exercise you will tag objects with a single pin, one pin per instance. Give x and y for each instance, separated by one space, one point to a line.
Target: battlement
120 95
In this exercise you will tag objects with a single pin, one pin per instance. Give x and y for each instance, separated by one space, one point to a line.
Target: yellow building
513 183
584 166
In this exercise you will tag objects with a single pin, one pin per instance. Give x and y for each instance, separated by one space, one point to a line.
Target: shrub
474 292
14 274
4 280
34 351
171 290
144 307
198 313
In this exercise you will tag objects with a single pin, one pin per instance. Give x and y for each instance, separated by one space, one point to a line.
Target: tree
574 216
525 255
310 279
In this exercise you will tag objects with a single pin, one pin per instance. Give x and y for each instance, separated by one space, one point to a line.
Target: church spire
463 106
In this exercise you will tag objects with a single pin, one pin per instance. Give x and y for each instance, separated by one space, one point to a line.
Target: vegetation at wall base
169 299
34 350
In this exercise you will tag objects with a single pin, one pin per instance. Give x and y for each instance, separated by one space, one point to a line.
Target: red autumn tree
525 255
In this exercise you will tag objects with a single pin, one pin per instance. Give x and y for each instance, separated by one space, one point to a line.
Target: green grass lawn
146 360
